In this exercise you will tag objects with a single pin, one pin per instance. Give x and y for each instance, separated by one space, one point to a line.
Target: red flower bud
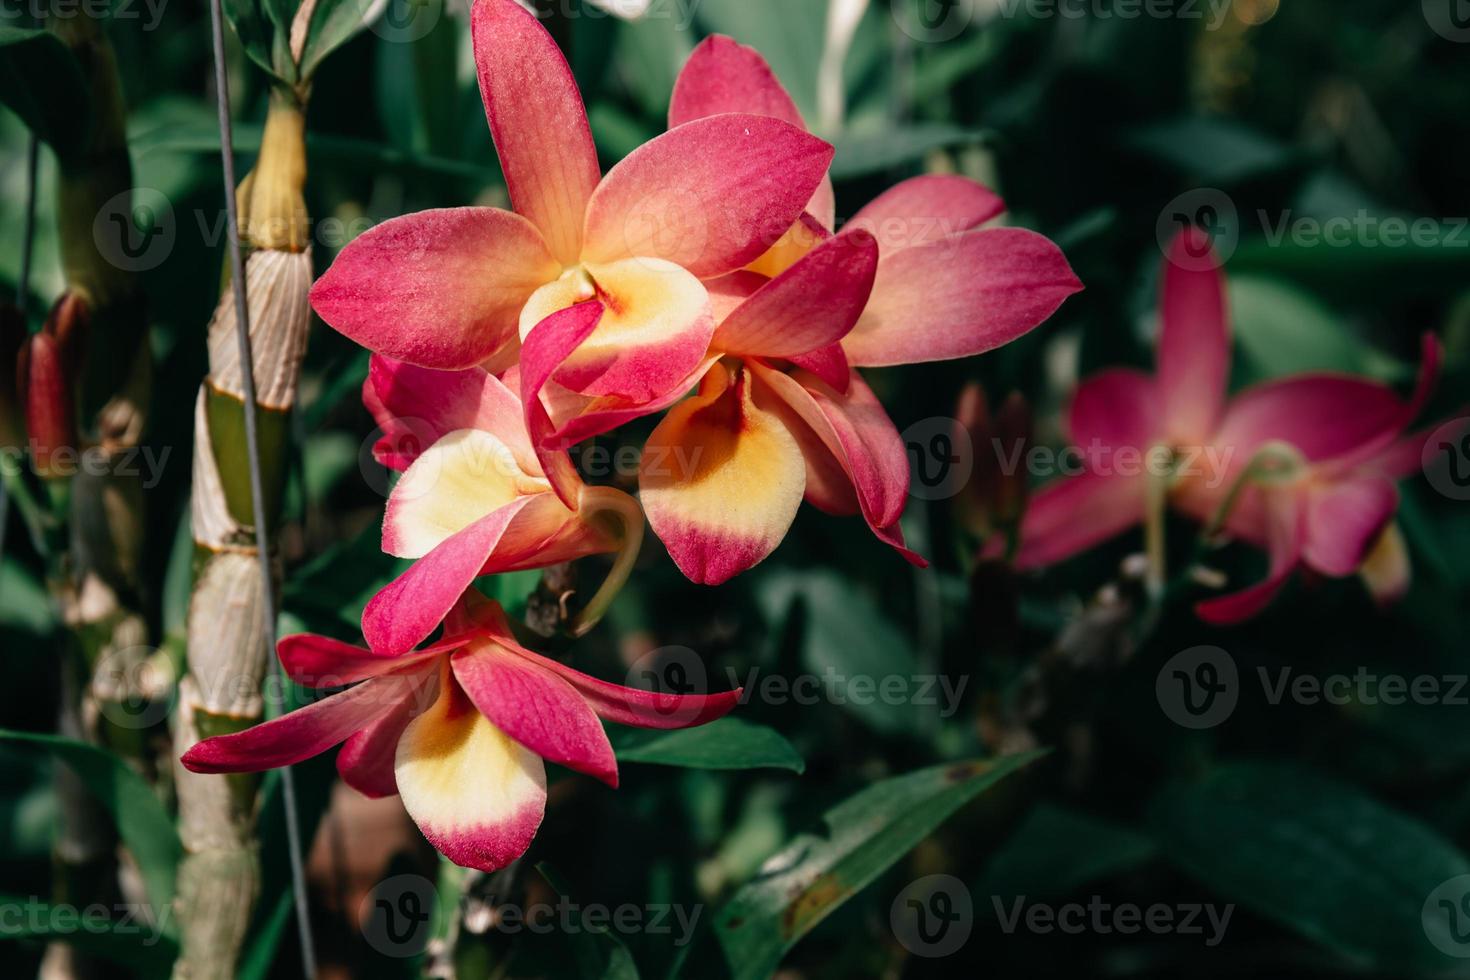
46 378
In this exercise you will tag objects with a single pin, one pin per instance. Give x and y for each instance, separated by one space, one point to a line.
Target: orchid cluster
703 277
1307 464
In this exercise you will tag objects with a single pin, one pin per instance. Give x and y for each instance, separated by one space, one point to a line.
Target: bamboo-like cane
228 641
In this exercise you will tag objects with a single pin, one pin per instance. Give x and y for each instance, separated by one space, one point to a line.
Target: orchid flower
458 729
780 414
1303 466
462 287
475 500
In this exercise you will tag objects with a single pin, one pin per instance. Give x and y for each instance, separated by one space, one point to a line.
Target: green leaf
255 31
1283 330
259 954
26 607
727 743
791 36
598 953
1314 854
860 154
846 641
1055 851
132 944
42 83
335 22
865 834
1212 149
142 822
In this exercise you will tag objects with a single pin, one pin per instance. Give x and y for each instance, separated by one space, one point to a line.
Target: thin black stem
257 490
23 282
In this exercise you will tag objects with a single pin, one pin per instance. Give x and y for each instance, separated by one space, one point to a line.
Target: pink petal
711 195
1115 409
516 536
537 708
367 757
304 732
724 76
926 209
809 306
319 661
417 407
1194 341
828 363
537 121
1077 513
961 296
441 289
1286 531
1343 520
542 353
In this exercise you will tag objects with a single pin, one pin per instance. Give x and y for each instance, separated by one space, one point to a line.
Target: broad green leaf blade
727 743
140 947
1316 855
1055 851
598 953
1283 330
335 22
866 834
142 822
860 154
42 83
255 31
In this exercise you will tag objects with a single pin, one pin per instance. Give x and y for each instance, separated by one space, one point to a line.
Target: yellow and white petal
1386 571
655 327
721 479
477 795
455 482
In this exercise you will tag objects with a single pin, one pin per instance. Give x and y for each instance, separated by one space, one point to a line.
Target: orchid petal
926 209
366 761
1386 570
545 349
537 708
476 794
440 289
538 122
828 363
711 195
1343 520
1077 513
961 296
303 733
810 306
319 661
721 480
1194 341
1285 534
1115 409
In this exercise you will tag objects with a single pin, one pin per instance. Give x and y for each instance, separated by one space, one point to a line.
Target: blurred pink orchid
475 499
1303 466
462 287
458 729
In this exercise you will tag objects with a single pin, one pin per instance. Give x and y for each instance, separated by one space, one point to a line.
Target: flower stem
599 503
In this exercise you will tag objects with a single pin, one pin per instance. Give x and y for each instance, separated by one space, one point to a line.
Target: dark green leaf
598 953
132 944
1314 854
142 822
728 743
860 154
864 835
41 81
1056 851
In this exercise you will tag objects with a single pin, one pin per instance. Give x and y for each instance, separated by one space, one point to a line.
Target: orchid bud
12 339
46 379
1014 433
997 491
973 503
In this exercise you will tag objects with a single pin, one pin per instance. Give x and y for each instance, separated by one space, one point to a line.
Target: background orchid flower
1303 466
474 499
461 287
458 729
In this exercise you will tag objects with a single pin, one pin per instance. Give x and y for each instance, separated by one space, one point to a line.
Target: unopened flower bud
46 379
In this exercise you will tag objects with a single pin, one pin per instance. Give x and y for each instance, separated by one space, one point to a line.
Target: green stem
600 503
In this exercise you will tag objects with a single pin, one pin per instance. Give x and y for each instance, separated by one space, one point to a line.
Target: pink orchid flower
475 500
458 730
780 415
461 287
1302 466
